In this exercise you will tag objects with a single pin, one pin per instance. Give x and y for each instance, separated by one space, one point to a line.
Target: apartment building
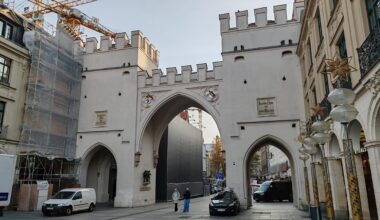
14 67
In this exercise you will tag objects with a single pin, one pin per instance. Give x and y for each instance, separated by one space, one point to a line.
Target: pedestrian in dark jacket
186 200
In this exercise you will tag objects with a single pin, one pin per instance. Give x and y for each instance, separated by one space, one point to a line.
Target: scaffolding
50 121
59 171
53 92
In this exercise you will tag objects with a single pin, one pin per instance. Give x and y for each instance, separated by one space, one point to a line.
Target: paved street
198 210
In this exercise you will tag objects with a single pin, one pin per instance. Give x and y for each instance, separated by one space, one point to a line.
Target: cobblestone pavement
198 210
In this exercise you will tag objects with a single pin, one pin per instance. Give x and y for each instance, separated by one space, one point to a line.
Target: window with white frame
5 66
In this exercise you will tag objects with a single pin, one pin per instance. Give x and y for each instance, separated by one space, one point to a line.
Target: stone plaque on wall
101 118
266 106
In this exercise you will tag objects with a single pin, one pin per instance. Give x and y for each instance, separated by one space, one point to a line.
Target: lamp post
321 137
344 112
312 150
304 157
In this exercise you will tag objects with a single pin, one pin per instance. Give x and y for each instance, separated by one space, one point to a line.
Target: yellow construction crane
70 18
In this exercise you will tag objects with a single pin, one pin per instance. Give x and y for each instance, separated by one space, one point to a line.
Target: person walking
186 200
175 197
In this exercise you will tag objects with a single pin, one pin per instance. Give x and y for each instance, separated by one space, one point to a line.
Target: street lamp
321 137
344 112
304 157
312 150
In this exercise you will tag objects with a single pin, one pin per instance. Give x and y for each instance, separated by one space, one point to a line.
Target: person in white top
175 196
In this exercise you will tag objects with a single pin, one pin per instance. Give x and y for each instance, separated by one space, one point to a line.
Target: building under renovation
48 136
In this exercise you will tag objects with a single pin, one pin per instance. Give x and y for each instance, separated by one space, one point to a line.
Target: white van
67 201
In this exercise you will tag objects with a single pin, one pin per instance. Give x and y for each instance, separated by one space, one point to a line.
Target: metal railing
369 53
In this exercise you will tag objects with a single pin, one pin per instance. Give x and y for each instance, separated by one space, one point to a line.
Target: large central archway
281 145
156 124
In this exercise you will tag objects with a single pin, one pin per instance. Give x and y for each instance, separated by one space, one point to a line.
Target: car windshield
264 187
223 196
64 195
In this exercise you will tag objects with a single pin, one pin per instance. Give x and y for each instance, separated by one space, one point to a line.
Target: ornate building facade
346 29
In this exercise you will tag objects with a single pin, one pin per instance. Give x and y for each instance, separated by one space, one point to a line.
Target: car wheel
44 214
69 210
91 208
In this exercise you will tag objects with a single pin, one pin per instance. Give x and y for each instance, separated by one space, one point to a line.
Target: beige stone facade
342 28
14 67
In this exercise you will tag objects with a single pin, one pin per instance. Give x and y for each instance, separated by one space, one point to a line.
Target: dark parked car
274 190
225 202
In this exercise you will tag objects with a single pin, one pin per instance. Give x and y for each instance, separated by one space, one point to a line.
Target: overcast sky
186 32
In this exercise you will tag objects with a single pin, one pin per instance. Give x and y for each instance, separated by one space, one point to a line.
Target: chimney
261 17
224 20
241 19
280 16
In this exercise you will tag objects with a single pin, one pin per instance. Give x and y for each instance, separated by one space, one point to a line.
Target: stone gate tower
254 95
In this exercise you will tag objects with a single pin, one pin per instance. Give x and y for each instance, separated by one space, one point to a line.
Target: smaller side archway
99 171
279 144
337 178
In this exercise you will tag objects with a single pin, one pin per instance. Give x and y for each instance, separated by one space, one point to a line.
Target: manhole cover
185 216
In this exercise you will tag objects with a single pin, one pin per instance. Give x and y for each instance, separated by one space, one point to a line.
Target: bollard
315 213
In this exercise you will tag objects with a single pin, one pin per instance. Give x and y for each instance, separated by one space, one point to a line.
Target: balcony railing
3 132
369 52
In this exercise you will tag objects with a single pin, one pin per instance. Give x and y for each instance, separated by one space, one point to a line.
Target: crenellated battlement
261 18
122 41
172 76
